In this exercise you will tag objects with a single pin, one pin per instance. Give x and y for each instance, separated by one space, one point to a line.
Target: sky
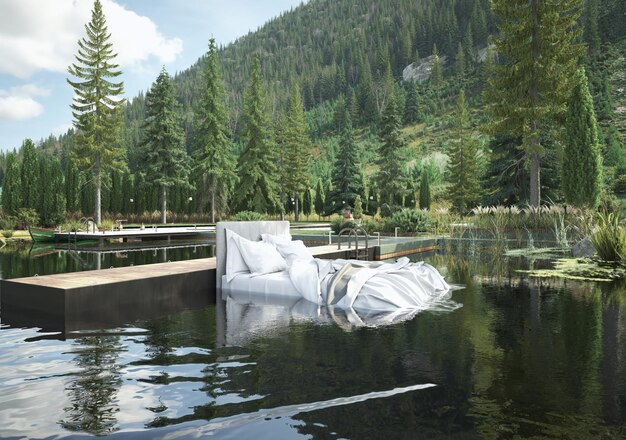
38 41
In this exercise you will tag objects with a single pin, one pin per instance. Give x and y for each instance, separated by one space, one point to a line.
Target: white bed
278 266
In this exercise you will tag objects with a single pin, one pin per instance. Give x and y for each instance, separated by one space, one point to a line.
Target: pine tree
280 138
424 200
97 108
463 171
392 176
320 200
436 76
347 174
53 204
582 163
128 195
141 195
30 177
258 188
529 91
11 194
163 143
460 62
307 202
71 187
296 150
411 105
214 160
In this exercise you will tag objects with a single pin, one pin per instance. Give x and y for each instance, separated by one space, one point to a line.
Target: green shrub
7 233
71 225
249 216
338 224
26 217
409 220
7 223
609 238
106 224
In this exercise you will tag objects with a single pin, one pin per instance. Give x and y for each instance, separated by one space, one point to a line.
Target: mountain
354 53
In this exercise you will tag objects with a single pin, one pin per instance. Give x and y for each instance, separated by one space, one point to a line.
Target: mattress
277 283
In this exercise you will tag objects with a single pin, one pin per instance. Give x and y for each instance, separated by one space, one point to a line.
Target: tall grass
609 239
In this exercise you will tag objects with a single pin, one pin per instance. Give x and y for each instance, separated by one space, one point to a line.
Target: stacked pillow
273 254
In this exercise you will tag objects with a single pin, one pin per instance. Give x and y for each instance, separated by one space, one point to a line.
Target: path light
132 200
190 198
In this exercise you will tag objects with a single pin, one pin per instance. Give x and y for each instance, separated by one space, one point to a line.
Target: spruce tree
53 204
392 175
30 176
97 106
11 194
71 187
257 171
582 163
411 106
460 62
347 173
436 75
297 152
538 42
307 202
163 142
463 171
320 199
214 161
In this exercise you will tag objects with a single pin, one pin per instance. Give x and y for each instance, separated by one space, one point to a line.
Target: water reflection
521 358
29 259
92 392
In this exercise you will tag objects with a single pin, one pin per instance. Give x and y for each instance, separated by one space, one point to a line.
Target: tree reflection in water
93 389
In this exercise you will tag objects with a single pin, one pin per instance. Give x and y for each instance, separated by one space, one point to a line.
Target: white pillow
270 238
293 250
235 264
261 257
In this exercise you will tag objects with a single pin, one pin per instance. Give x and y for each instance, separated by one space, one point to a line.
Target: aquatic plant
609 238
7 233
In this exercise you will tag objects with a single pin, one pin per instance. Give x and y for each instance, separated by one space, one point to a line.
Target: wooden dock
110 297
148 233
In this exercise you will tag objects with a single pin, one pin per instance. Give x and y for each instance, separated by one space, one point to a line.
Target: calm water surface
520 359
30 259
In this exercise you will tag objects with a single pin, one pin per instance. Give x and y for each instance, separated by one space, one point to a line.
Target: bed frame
249 230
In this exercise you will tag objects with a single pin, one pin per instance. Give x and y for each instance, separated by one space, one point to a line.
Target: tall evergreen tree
53 203
537 40
97 106
296 150
214 161
163 143
30 176
11 194
320 199
392 175
307 202
463 171
258 189
582 162
347 173
72 186
128 194
436 76
411 105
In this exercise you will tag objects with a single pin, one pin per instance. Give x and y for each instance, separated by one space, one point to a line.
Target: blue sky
38 41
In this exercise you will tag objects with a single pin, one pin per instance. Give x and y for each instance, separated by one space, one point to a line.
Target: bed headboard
249 230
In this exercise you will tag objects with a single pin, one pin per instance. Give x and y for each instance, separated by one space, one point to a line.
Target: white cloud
37 35
61 129
19 108
17 104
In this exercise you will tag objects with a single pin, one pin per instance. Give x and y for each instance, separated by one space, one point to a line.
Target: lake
521 358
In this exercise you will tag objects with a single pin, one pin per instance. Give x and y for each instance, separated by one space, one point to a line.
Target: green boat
42 235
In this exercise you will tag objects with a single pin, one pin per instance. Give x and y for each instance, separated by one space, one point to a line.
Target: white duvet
373 287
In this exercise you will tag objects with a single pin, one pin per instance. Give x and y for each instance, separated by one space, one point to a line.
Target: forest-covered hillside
351 54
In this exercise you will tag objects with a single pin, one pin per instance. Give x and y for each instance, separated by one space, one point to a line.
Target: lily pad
584 269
